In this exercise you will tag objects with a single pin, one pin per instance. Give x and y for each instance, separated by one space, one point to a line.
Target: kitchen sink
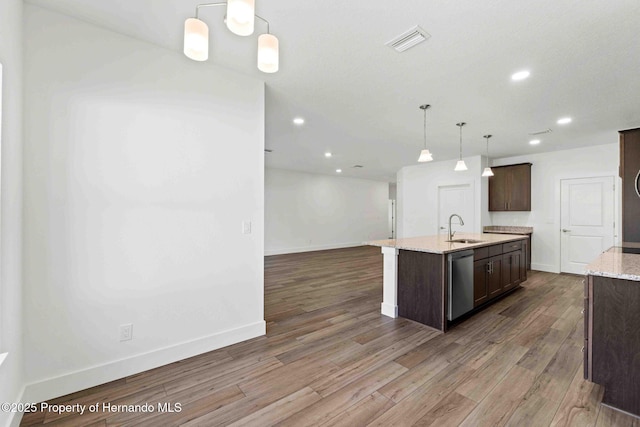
464 241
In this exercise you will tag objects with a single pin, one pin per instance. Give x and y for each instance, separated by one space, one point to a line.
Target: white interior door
456 199
586 221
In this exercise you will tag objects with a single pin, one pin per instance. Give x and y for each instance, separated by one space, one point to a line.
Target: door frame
557 220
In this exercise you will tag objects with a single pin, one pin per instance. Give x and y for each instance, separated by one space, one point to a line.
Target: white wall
418 195
140 166
546 172
307 212
11 328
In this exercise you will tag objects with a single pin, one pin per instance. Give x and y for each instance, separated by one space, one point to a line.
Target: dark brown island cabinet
612 340
510 188
422 278
630 174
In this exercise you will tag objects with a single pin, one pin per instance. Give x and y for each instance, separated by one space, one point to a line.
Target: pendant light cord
425 128
460 126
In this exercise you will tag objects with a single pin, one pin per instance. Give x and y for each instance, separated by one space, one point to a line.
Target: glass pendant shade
268 53
425 156
460 166
240 16
487 172
196 39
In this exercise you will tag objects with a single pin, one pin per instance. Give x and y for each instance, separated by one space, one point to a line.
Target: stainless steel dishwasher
460 299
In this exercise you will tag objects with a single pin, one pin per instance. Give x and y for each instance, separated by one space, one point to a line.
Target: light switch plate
246 227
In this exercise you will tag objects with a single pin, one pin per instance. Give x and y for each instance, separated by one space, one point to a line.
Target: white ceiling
360 98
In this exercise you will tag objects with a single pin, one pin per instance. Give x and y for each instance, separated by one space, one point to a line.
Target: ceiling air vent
542 132
357 166
408 39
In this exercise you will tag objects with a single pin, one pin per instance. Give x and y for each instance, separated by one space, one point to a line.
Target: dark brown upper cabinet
630 174
510 188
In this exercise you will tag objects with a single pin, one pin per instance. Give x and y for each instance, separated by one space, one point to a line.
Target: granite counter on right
612 326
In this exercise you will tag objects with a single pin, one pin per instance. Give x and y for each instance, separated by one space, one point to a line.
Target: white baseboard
311 248
549 268
96 375
15 418
389 310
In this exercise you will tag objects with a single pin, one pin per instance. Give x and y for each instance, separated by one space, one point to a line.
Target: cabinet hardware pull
582 350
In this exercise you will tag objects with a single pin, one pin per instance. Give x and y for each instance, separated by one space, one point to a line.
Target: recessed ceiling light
564 120
299 121
520 75
534 142
338 170
328 154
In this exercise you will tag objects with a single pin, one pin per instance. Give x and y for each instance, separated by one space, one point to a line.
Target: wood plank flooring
331 359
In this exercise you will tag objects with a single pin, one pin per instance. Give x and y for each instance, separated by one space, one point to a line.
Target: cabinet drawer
480 253
511 246
495 250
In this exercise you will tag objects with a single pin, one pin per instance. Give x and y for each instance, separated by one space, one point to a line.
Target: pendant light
240 20
268 53
425 155
196 39
487 171
240 16
460 166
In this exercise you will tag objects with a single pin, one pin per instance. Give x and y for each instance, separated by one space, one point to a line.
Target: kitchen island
416 273
612 326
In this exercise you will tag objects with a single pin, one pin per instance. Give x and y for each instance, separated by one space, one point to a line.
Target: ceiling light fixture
425 155
240 19
534 142
487 171
520 75
339 170
328 154
564 120
460 166
298 121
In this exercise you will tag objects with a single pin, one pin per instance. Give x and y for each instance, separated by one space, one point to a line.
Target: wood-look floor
331 359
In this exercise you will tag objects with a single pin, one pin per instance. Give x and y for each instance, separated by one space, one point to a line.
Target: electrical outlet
126 332
246 227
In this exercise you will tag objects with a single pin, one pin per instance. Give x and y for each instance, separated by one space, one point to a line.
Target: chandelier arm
222 3
265 21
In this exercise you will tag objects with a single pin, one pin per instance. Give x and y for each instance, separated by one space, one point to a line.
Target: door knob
564 230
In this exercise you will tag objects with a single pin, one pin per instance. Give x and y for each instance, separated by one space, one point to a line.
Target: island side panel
421 287
616 342
389 306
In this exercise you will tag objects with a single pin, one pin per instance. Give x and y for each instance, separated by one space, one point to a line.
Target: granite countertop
617 263
507 229
439 245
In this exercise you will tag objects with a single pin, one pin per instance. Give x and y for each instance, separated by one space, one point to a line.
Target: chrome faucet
451 233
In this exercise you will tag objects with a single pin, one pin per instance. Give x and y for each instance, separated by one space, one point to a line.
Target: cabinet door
494 279
480 291
507 279
516 274
498 190
519 188
523 264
